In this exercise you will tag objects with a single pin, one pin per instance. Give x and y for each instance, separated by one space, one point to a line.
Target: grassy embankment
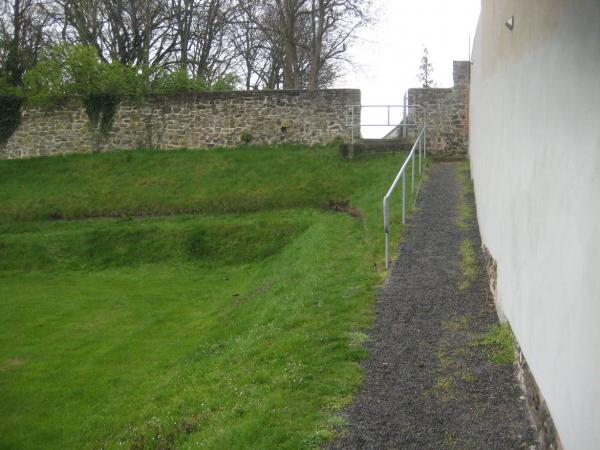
186 299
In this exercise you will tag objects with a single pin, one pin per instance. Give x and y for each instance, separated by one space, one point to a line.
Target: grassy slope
223 330
150 182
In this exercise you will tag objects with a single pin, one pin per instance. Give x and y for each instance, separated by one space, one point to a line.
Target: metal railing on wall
419 146
354 114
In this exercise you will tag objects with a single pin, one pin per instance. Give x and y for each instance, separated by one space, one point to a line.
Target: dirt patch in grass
342 206
261 290
162 434
11 363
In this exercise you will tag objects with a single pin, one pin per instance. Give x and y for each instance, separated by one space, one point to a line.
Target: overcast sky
387 56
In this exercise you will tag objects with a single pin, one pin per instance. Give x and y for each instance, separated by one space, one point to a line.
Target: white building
535 160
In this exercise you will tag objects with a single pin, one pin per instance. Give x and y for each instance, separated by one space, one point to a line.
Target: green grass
192 299
464 220
162 183
468 264
499 343
465 207
100 244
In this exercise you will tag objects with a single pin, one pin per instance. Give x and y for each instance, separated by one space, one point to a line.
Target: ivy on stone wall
101 109
10 115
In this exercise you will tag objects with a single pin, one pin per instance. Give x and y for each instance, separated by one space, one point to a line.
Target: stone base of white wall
547 436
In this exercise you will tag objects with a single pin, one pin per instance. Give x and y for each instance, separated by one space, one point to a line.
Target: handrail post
404 118
412 183
387 250
425 141
419 160
404 197
421 146
386 227
352 126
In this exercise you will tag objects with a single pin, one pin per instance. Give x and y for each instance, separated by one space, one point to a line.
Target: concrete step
376 146
388 144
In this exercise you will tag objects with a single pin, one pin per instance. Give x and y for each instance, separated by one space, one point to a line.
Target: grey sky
387 56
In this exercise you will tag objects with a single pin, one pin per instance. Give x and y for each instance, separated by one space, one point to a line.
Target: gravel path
429 384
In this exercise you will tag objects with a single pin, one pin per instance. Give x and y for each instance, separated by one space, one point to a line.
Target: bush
66 70
10 115
77 70
246 138
226 83
178 81
6 88
164 82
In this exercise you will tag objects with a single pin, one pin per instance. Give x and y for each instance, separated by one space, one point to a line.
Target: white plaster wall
535 160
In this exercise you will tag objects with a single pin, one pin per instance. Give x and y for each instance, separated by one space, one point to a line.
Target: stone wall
202 120
446 112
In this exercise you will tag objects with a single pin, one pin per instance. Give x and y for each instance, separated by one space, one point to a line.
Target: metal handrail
388 125
350 122
400 105
421 145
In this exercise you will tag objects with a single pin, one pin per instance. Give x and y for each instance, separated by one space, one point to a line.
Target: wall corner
461 74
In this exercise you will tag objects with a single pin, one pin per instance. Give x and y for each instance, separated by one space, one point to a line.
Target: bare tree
425 70
81 21
289 13
183 17
137 32
333 24
211 54
272 44
279 23
311 36
263 63
249 43
24 32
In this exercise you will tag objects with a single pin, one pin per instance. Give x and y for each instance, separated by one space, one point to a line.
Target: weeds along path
440 372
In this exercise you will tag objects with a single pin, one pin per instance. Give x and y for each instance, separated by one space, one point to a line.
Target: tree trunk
318 20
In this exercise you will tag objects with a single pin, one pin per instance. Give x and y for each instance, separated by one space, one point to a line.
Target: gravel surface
429 383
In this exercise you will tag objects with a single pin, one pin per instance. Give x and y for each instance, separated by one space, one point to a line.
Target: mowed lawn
186 299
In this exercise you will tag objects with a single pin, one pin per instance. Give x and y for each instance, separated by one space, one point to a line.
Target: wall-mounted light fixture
510 23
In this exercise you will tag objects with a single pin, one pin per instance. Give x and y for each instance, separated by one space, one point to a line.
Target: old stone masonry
200 120
445 111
